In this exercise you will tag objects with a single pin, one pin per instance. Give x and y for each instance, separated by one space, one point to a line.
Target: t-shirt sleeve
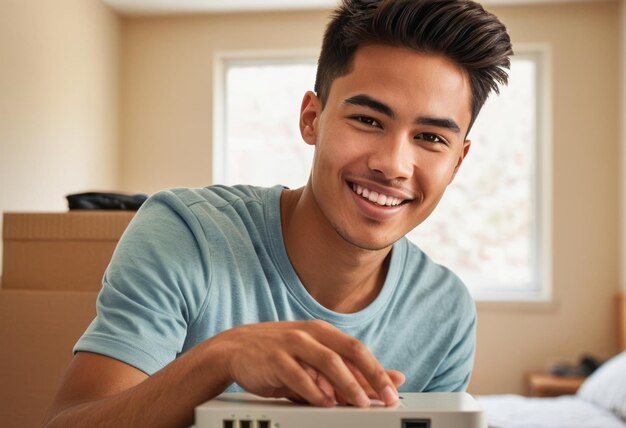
453 374
154 287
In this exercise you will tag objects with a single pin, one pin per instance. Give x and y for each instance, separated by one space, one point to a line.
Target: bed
599 403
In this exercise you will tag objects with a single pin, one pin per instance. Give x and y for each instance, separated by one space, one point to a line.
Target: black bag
105 201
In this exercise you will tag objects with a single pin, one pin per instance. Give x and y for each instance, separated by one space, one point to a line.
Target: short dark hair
460 30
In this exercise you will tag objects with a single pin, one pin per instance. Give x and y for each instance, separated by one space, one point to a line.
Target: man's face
387 143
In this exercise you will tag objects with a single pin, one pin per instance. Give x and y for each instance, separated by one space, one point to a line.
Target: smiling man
387 143
314 293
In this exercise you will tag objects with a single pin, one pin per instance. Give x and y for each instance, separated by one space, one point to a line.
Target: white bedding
599 403
569 411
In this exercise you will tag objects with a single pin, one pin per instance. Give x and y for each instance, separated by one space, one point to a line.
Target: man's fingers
296 378
321 382
357 354
330 365
397 377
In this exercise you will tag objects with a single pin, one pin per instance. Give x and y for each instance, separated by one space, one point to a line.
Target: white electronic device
414 410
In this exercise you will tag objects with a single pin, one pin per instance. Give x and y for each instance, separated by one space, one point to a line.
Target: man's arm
101 391
269 359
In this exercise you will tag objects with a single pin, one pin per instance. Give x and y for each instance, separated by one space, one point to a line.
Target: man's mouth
375 197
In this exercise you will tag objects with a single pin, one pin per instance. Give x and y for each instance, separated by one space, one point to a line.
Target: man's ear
310 111
466 147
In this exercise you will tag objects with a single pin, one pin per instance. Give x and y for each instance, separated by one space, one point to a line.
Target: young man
314 293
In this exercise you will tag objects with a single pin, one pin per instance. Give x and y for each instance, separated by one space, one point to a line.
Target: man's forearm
166 399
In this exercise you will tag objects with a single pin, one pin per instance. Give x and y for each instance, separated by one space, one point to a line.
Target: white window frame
542 253
221 60
542 290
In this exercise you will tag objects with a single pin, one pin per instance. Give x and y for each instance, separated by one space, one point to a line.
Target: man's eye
431 138
367 121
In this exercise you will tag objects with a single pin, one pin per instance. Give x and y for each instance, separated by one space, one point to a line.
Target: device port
262 423
415 423
245 424
226 423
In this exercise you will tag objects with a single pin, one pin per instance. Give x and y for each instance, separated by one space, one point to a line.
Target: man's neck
339 275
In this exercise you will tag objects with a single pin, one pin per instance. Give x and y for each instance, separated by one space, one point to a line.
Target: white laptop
414 410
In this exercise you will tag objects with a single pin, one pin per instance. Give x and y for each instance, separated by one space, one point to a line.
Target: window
257 140
490 226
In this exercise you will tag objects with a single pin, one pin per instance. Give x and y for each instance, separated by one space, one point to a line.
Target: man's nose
393 157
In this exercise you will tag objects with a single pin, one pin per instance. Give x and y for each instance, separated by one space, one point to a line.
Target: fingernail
363 400
389 396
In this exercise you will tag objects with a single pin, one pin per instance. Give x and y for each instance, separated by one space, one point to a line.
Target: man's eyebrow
439 122
366 101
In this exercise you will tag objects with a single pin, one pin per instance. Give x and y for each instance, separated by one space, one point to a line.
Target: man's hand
308 360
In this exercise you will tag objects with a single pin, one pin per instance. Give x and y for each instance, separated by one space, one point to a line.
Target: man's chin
366 244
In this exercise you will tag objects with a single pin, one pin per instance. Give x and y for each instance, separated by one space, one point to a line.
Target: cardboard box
38 330
59 251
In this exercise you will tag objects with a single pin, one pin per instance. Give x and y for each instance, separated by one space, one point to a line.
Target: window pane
263 142
485 225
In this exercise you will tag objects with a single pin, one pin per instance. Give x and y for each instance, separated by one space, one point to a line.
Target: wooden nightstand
547 385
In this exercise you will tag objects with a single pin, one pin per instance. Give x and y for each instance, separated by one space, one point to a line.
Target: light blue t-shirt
195 262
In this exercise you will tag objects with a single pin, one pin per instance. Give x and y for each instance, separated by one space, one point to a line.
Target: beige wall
622 57
167 72
58 103
166 134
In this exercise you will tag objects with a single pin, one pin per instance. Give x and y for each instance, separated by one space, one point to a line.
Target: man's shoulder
198 203
419 261
208 210
219 195
431 277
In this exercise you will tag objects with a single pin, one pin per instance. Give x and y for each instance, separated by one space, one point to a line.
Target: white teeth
375 197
